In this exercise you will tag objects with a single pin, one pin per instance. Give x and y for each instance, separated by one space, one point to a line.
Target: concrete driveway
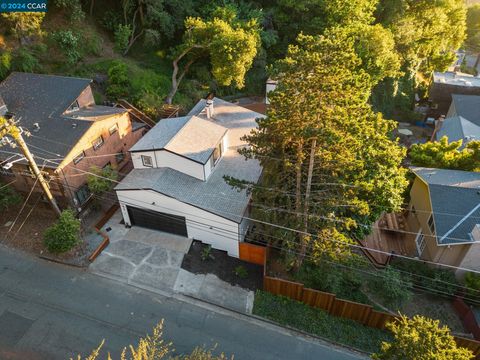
152 260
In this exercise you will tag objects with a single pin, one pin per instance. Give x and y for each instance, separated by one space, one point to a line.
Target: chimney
209 105
476 233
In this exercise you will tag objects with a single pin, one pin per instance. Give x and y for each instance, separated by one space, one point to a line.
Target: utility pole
8 127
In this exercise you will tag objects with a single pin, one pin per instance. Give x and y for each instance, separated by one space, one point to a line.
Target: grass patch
318 322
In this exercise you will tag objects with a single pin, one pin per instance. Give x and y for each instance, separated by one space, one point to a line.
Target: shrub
5 64
8 197
118 80
92 43
23 60
122 36
241 272
64 234
101 180
68 43
73 8
111 19
391 286
472 282
207 253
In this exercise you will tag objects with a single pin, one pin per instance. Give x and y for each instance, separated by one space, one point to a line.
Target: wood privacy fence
362 313
252 253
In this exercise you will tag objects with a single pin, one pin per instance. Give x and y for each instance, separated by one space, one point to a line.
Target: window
120 157
217 153
82 194
97 143
74 107
421 243
147 161
79 158
6 172
431 224
113 129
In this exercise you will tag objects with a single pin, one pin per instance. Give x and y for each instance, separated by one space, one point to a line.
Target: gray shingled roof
459 128
189 136
455 198
37 98
467 106
213 195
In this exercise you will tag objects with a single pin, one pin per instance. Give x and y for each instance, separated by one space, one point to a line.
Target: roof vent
36 127
74 125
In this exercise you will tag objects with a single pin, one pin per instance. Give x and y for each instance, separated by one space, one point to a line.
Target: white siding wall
164 158
209 165
211 229
470 260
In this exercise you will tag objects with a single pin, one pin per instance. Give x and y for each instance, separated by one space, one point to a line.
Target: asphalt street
50 311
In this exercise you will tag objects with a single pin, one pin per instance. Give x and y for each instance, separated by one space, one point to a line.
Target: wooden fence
362 313
252 253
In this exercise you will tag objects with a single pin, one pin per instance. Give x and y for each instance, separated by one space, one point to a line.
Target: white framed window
113 129
147 161
78 158
420 242
75 106
217 153
97 143
431 224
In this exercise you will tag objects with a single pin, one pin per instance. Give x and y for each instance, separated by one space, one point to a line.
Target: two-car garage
169 223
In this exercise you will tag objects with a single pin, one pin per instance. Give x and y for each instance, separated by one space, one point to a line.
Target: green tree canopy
231 45
64 234
473 28
356 175
24 23
421 338
444 155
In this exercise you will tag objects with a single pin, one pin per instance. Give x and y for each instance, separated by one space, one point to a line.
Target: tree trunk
176 80
298 171
92 4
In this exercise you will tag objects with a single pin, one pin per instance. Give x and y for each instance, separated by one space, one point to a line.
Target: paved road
49 311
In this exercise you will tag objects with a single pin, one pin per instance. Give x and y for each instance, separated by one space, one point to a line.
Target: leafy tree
153 347
421 339
24 23
72 8
8 197
391 286
118 80
122 37
320 127
445 155
68 43
427 33
473 28
101 180
64 234
230 43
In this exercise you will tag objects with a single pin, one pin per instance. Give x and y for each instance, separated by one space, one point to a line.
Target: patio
387 240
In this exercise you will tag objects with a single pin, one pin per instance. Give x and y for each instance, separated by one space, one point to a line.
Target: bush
118 80
69 44
122 36
73 9
5 64
111 19
241 272
24 61
101 180
8 197
442 281
315 321
64 234
472 282
391 286
207 253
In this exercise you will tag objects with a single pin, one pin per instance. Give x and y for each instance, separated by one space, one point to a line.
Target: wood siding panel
252 253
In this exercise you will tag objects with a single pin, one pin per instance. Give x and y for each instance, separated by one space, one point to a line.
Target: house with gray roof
444 211
466 106
178 182
458 128
70 134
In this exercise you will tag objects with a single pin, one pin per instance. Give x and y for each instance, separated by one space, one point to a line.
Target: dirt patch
435 308
223 266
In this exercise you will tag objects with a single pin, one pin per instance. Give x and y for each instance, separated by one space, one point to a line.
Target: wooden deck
387 241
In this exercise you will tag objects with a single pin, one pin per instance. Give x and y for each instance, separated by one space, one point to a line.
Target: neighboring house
458 128
69 129
446 84
466 106
178 183
444 211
